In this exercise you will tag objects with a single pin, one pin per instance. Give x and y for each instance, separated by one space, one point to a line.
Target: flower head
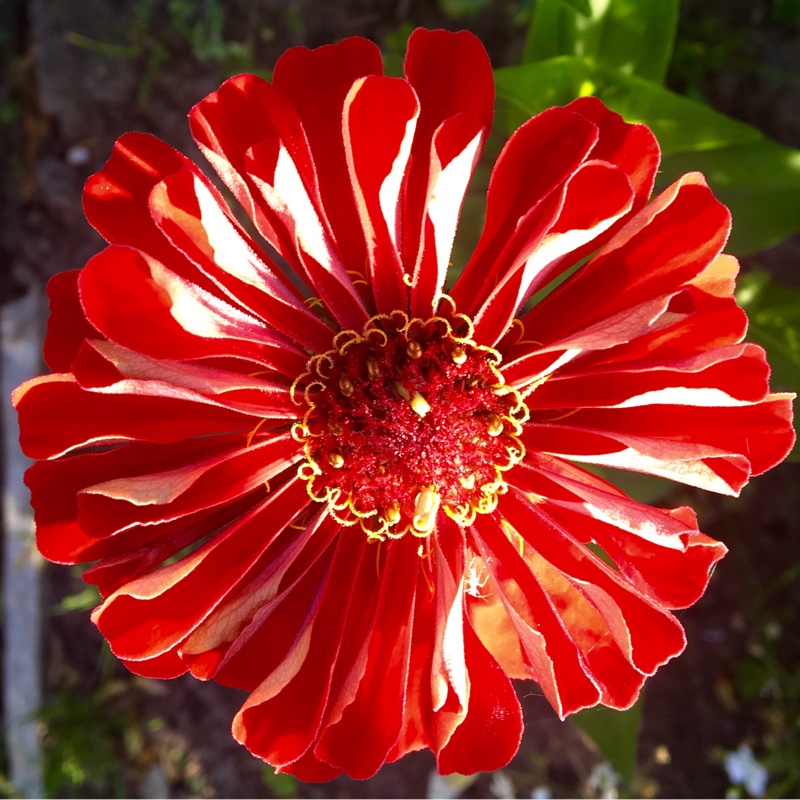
350 493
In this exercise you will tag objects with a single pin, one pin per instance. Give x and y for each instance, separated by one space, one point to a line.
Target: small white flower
78 156
501 786
604 781
541 793
745 770
447 787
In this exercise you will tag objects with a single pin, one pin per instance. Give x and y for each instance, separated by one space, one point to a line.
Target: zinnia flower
357 497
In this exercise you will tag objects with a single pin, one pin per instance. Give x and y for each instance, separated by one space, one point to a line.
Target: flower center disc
405 418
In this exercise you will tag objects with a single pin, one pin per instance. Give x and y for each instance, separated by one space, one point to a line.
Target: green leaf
758 180
616 733
774 313
280 784
86 599
679 123
635 37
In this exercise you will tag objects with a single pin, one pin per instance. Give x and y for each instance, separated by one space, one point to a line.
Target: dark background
77 74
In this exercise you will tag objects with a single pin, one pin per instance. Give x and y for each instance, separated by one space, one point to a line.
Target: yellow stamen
253 432
495 425
425 508
358 276
419 404
336 460
521 339
459 355
468 482
562 416
346 386
414 349
392 514
424 553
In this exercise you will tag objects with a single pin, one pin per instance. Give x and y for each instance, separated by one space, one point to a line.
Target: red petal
139 549
660 551
633 148
699 316
623 634
153 614
317 82
162 667
452 77
706 322
647 634
189 212
112 505
669 242
134 410
243 113
552 657
455 151
537 159
310 769
115 200
361 740
107 368
280 723
146 290
254 630
417 714
67 325
546 240
714 377
379 119
56 485
318 253
715 448
490 734
451 74
270 170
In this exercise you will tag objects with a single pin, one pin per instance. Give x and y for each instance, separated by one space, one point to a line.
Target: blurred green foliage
80 757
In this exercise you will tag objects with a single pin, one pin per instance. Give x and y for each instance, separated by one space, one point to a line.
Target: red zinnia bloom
358 500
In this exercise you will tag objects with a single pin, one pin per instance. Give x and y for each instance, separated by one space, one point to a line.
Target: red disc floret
405 418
